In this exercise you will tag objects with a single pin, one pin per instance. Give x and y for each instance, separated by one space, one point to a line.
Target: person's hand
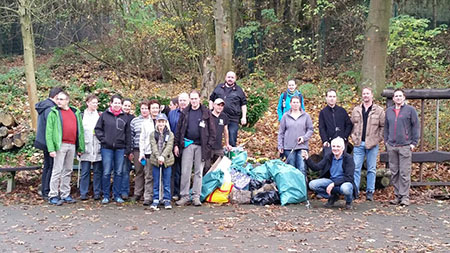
228 147
243 121
141 157
161 158
281 150
300 140
412 147
79 153
52 154
330 188
131 157
305 155
176 151
326 144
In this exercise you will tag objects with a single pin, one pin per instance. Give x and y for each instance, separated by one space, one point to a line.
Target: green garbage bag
260 173
211 181
290 182
240 159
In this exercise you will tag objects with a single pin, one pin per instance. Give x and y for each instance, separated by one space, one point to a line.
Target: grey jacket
404 129
291 129
92 144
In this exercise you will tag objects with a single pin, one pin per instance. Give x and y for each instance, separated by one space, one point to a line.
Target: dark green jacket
53 131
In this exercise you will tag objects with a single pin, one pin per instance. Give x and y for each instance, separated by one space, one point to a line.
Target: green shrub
257 105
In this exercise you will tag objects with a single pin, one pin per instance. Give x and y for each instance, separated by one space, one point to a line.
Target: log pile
11 134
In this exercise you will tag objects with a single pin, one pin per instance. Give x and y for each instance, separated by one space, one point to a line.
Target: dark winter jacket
233 101
207 134
348 166
404 129
334 122
43 108
113 132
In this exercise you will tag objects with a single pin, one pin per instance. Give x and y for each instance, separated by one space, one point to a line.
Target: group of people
170 146
368 125
164 144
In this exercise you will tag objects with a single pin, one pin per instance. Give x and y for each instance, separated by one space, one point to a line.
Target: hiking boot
348 206
146 202
136 198
96 197
196 202
404 202
84 197
395 201
369 196
119 200
69 200
124 196
105 201
56 201
332 200
167 204
182 202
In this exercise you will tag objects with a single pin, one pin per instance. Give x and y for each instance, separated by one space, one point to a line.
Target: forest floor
92 227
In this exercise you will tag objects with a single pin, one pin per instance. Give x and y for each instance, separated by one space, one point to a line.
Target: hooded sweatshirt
43 108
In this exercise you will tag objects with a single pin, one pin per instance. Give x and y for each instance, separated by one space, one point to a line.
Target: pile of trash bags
237 181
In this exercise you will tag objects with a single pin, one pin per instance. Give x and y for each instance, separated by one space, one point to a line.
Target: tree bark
28 55
373 70
224 35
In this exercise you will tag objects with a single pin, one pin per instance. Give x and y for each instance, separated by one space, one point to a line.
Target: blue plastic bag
211 181
260 172
290 182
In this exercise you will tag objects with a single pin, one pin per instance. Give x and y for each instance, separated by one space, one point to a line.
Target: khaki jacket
374 129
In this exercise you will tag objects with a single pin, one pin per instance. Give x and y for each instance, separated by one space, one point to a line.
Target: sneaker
369 196
124 196
105 201
395 201
69 200
175 198
332 200
146 203
96 197
404 202
167 205
119 200
197 202
348 206
154 206
182 202
84 197
56 201
45 198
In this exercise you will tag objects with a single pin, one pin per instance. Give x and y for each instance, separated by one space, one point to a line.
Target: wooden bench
12 173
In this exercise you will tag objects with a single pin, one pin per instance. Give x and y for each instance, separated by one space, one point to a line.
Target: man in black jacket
333 122
43 108
194 138
235 104
336 174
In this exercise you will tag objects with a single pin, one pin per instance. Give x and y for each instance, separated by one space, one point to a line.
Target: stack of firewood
11 134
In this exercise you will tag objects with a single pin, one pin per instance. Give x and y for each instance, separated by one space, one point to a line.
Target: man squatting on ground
401 136
64 135
367 133
336 174
196 134
235 104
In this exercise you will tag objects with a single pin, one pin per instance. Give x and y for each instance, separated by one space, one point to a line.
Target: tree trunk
224 35
28 56
373 71
3 131
7 120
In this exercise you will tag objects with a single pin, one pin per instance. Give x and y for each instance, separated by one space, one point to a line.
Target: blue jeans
112 160
125 190
233 128
359 153
46 174
320 187
85 179
295 159
166 177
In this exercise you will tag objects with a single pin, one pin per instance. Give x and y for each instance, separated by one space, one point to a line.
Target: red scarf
116 113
